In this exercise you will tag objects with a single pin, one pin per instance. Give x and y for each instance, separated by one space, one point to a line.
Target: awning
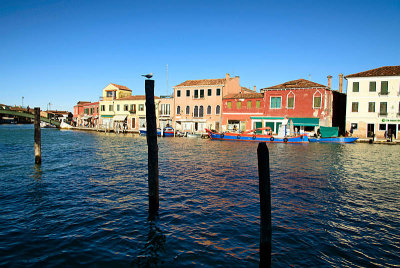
85 117
306 121
119 118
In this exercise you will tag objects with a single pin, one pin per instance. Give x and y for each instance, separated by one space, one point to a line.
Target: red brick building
238 108
305 103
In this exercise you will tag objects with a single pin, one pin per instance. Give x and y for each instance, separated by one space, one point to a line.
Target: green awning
306 121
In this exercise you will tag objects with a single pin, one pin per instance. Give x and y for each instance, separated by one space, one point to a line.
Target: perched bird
148 76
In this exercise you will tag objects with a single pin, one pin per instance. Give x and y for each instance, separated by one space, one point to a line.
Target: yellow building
119 109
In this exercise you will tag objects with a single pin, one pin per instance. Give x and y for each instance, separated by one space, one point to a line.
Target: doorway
392 129
370 130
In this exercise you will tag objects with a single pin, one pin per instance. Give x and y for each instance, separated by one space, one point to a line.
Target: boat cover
327 132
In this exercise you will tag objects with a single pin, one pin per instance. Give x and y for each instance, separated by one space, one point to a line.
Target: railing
132 111
383 93
382 114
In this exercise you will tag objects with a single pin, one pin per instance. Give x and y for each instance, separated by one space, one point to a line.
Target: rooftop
381 71
136 97
203 82
299 83
120 87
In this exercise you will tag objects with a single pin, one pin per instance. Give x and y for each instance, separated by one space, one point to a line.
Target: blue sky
61 52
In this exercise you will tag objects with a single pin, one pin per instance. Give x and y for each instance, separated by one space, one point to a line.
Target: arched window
290 100
188 109
209 109
317 100
201 112
217 109
178 109
196 111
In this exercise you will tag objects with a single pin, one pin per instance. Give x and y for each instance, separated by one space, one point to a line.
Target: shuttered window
383 108
239 104
371 107
229 105
354 107
384 87
356 86
372 86
290 102
317 101
248 104
258 104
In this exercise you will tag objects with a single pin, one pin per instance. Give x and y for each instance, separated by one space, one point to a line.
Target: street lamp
22 102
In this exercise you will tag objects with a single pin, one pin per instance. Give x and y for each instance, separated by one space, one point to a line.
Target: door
271 125
392 130
258 125
370 130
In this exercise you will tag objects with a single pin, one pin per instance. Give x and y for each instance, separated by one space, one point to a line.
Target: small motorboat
168 132
143 132
330 135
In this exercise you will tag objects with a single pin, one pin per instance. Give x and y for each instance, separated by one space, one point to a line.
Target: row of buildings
369 109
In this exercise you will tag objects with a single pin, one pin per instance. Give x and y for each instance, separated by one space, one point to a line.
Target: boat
46 125
330 135
143 132
168 132
251 135
334 140
193 135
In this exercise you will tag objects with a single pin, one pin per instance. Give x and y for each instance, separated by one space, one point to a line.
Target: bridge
23 113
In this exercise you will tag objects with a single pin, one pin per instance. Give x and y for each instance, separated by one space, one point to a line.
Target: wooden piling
265 205
38 142
152 148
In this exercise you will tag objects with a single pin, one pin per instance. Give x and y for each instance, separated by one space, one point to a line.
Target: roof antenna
309 77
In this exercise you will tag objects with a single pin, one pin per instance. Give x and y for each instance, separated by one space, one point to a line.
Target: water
332 205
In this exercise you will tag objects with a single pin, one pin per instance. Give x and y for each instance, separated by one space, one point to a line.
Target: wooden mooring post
38 142
152 148
265 205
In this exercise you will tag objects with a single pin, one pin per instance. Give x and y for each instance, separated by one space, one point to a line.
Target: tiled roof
202 82
381 71
299 83
244 95
120 87
136 97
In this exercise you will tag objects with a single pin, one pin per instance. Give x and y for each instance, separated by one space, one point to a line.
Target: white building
373 103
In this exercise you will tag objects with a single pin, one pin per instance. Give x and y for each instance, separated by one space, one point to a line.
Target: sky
62 52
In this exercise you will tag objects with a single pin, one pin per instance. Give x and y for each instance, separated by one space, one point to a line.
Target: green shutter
239 104
290 102
258 104
384 87
372 86
356 86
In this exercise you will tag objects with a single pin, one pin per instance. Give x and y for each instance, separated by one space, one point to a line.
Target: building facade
198 103
373 103
305 103
166 110
238 109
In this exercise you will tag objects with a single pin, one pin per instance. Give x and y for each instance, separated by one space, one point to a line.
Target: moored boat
251 135
168 132
143 132
334 140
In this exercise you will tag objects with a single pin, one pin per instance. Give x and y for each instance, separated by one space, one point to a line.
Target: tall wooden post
152 148
38 142
265 205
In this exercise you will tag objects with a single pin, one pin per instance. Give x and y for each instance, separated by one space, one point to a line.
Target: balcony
132 111
383 93
382 114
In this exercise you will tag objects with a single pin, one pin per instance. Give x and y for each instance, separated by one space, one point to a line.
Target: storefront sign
390 120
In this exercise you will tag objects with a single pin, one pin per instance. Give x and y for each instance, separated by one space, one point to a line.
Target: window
383 108
126 107
178 93
290 101
196 111
354 126
117 107
178 109
86 111
218 92
110 94
201 93
132 108
258 104
317 100
188 109
201 111
217 109
141 107
371 107
372 86
384 87
110 108
248 104
239 104
382 126
188 93
354 107
208 109
196 93
356 86
276 102
209 92
165 109
229 105
97 109
103 108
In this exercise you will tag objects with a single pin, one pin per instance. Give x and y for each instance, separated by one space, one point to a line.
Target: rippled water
332 205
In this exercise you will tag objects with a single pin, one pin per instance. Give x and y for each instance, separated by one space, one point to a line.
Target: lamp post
22 102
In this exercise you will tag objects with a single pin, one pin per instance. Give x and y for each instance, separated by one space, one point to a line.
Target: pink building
239 108
198 103
86 114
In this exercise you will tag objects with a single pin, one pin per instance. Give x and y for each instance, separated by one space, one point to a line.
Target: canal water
332 205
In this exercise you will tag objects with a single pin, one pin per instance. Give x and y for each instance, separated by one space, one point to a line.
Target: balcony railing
383 93
132 111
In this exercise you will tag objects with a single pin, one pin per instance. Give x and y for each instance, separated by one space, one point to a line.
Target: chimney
227 77
330 81
254 88
341 83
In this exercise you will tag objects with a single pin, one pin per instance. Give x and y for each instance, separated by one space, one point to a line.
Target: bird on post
148 76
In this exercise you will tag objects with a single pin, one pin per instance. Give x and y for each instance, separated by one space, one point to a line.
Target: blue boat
251 135
334 140
168 132
330 135
143 132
